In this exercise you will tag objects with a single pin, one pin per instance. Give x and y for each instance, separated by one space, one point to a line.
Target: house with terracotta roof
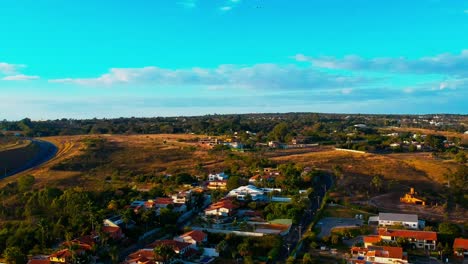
113 232
460 247
144 256
384 255
222 208
163 202
371 240
39 260
420 239
194 237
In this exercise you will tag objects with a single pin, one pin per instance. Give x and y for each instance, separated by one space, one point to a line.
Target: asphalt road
46 151
291 239
328 223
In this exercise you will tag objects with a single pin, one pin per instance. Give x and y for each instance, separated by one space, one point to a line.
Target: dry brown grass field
134 155
423 131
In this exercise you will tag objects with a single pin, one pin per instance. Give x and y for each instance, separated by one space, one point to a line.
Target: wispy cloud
259 76
446 63
188 3
8 68
225 8
20 77
229 5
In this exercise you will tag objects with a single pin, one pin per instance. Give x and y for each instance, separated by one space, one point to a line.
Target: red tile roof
372 239
196 235
419 235
388 252
222 204
163 200
460 243
110 229
64 253
141 256
39 260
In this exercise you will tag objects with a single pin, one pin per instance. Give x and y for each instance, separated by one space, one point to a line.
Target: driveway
328 223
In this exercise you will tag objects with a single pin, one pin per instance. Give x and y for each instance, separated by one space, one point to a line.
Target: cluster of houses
185 247
382 247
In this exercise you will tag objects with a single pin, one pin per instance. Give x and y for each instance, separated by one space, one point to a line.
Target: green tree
25 183
307 259
165 252
279 132
377 182
14 255
449 229
233 182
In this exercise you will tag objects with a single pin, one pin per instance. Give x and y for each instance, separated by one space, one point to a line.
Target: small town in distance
349 189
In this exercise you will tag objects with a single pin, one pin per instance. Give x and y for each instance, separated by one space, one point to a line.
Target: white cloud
225 8
20 77
188 3
347 91
259 76
8 68
445 64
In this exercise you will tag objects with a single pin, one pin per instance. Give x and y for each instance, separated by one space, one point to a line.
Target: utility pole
300 231
318 202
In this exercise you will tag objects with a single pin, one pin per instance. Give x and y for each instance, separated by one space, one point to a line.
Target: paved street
327 224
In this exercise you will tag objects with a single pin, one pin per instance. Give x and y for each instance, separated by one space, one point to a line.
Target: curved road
46 152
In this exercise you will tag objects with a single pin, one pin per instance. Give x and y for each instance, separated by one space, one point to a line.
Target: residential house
194 237
249 190
460 247
117 221
217 185
218 176
114 232
389 219
147 254
163 202
384 255
420 239
61 256
371 240
180 248
183 197
39 260
222 208
144 256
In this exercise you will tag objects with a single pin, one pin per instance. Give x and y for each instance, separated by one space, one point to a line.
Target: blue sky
112 58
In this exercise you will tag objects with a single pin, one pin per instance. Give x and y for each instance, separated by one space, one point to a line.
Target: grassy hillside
100 162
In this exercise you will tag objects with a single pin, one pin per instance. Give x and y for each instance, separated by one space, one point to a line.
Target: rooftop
398 217
419 235
460 243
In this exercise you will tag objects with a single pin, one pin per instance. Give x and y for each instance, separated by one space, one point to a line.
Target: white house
387 255
389 219
218 176
241 193
420 239
221 208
